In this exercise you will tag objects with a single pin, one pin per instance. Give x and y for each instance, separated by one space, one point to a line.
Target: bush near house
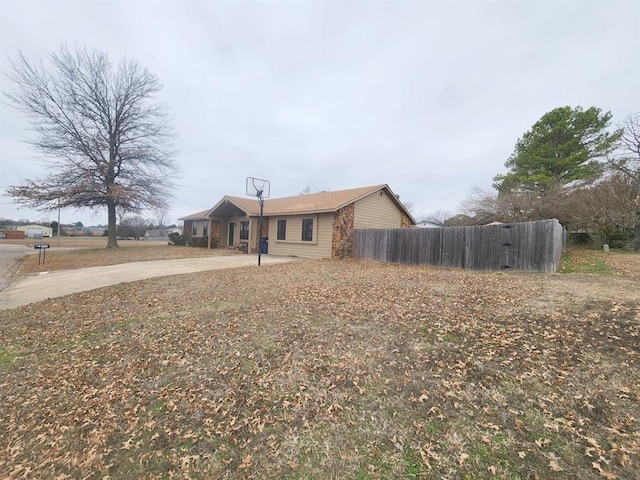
200 242
176 239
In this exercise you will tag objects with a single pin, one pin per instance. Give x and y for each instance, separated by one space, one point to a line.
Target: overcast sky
428 97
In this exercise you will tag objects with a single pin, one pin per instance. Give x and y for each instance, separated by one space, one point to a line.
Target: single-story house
319 225
157 234
428 224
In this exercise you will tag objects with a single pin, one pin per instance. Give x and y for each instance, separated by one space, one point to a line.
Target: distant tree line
136 226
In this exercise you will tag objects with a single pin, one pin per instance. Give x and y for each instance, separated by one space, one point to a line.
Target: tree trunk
636 230
112 241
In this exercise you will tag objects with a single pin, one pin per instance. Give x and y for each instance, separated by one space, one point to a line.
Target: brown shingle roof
312 203
197 216
298 204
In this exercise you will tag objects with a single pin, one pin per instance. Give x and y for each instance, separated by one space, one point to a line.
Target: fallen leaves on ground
346 369
92 257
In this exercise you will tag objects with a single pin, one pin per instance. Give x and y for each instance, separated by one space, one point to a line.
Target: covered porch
232 227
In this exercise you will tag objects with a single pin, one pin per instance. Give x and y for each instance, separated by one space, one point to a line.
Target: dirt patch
346 369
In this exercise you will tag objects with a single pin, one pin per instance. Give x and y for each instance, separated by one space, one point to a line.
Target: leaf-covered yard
328 369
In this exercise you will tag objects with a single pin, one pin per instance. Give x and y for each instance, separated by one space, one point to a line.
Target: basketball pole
254 191
261 202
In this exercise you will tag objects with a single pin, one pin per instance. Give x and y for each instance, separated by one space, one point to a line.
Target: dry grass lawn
329 369
131 252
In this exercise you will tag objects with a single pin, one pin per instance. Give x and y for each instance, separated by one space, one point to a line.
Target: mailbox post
42 251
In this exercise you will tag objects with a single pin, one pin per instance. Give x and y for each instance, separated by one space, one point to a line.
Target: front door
231 229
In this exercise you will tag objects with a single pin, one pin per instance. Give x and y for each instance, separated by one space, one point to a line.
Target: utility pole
58 221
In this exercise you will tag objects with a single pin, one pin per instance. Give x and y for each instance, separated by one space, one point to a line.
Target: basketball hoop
259 188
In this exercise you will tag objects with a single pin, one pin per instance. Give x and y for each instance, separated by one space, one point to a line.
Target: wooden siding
320 247
377 211
533 246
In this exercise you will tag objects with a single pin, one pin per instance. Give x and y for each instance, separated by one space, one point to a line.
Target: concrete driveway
35 288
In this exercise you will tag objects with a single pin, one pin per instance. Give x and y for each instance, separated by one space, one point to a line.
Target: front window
244 230
194 229
307 229
205 229
282 229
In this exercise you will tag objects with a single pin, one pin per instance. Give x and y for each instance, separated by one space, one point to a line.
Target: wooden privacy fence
533 246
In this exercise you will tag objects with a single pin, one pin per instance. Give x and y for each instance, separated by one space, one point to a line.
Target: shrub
199 242
176 239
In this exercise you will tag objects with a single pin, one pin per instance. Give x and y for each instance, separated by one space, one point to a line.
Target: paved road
34 288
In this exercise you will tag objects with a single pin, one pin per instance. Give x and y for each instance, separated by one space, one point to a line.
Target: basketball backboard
257 187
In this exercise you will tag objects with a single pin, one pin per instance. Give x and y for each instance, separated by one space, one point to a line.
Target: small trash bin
264 245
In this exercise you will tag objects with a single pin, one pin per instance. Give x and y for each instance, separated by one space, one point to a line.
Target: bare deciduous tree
605 206
409 206
486 207
134 226
517 206
103 136
161 214
439 217
627 161
461 220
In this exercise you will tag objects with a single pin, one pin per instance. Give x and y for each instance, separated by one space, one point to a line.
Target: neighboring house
35 231
428 224
156 234
318 225
95 230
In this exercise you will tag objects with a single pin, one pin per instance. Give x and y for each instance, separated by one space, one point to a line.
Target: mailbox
42 251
